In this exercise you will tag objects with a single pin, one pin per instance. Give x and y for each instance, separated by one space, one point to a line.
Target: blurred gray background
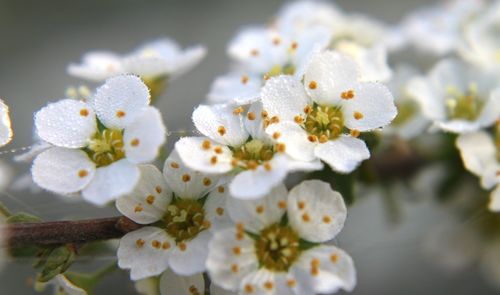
39 38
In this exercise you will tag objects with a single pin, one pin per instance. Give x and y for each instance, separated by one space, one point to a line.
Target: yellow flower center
106 147
406 111
253 153
323 123
185 219
277 247
464 105
287 69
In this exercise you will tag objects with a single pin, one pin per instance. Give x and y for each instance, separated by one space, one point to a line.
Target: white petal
294 165
295 139
144 137
5 124
254 123
63 283
343 154
458 126
428 98
253 184
225 251
494 204
35 149
137 253
120 100
111 182
196 157
192 259
373 103
219 123
316 211
185 182
257 280
335 271
258 214
148 201
63 170
173 284
189 58
284 97
215 209
478 151
491 109
235 87
333 74
68 123
146 66
97 66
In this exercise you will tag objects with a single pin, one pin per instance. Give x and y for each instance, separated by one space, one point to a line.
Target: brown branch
68 232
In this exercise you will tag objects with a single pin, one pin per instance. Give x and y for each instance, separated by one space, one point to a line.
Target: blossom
267 252
97 145
5 124
409 122
480 156
481 39
162 57
458 97
312 116
181 208
437 29
260 53
62 286
235 141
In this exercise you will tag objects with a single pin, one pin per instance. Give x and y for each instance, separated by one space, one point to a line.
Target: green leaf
57 261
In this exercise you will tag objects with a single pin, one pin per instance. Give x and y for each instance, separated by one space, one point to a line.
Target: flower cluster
315 93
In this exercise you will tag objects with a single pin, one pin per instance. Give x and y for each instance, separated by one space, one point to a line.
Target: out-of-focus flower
268 254
480 156
260 53
458 97
97 145
481 38
5 124
409 122
160 58
311 116
437 29
236 141
62 286
189 205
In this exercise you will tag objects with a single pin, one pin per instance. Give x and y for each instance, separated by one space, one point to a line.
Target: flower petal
193 152
255 215
192 259
65 286
227 254
67 123
144 137
111 182
97 66
185 182
335 269
221 124
494 204
215 209
372 107
284 97
316 211
431 104
145 252
148 201
253 184
188 59
327 75
5 124
63 170
254 123
343 154
478 151
120 100
171 283
235 87
295 139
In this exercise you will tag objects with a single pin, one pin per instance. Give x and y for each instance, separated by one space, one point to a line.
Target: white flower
299 16
63 286
437 29
481 38
236 142
187 205
269 254
480 156
312 115
409 122
96 147
458 97
160 58
5 124
260 53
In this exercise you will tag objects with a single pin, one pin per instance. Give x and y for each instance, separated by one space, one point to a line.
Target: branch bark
68 232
